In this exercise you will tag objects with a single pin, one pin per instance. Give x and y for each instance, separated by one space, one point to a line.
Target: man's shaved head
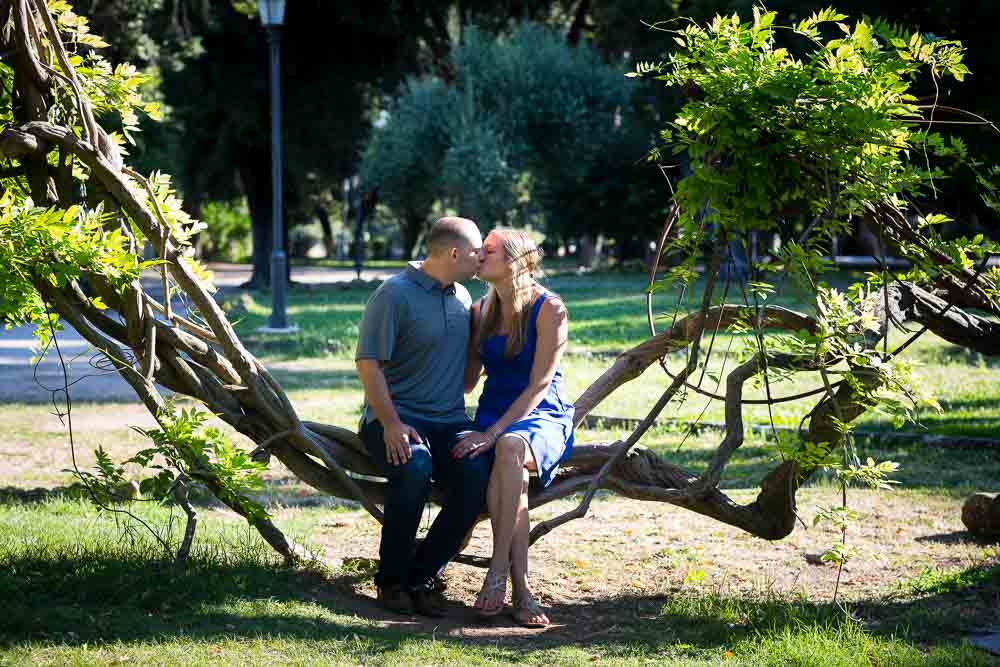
452 232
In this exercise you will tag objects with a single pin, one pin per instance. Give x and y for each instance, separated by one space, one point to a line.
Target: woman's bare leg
524 602
519 541
493 498
506 485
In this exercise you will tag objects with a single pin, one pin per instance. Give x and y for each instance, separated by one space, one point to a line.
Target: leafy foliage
802 130
532 131
56 246
183 447
774 136
199 452
79 235
227 232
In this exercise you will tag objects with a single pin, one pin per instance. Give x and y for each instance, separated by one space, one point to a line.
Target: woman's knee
511 449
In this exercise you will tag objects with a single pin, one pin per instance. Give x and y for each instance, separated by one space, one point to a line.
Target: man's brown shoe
395 600
428 603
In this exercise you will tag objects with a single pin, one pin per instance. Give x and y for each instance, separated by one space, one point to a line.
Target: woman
519 333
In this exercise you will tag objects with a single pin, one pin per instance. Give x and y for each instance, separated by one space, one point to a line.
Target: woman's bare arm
553 328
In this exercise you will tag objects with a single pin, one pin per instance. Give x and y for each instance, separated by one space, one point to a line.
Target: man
411 358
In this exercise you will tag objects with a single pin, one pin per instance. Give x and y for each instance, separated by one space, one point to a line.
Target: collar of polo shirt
426 281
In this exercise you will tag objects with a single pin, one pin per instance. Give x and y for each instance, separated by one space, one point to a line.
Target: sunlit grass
79 590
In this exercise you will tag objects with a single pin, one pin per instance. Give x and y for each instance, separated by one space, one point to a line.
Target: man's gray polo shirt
420 330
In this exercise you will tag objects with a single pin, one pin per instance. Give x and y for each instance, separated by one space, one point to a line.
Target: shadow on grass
749 463
75 595
973 417
922 466
954 354
15 495
927 466
318 378
937 604
959 537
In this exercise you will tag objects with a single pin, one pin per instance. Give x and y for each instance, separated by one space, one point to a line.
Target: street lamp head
272 12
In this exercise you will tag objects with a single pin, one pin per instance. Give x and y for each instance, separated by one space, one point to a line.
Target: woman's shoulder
552 307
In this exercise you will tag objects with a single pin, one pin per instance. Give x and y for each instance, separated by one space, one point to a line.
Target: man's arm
376 343
377 390
398 435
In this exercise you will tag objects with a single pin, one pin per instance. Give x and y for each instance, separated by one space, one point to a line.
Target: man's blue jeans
408 489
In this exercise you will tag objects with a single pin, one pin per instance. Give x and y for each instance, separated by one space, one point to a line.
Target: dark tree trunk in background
328 241
628 248
256 177
579 22
868 242
590 250
413 226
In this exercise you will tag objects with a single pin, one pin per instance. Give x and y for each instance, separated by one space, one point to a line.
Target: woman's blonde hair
525 259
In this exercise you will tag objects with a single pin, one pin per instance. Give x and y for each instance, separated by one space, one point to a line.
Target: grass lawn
632 583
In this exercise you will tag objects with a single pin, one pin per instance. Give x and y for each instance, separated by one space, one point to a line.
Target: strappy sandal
494 583
523 610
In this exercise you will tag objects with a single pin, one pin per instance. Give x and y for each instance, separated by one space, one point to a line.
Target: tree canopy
530 131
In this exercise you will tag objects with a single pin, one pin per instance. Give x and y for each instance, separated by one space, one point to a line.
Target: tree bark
329 243
579 21
413 227
256 178
981 514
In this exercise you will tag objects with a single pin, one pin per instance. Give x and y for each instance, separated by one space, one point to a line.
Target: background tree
174 41
404 156
531 131
336 63
220 101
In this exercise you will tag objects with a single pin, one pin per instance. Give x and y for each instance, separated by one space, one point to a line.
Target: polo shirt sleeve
379 325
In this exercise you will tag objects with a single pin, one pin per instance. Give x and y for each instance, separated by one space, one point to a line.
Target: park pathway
22 382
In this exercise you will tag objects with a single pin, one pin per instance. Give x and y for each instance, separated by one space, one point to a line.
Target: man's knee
416 471
473 475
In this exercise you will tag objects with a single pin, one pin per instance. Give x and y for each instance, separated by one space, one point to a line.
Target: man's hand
473 445
398 438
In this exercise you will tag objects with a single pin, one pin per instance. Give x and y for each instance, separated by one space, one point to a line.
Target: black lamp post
272 16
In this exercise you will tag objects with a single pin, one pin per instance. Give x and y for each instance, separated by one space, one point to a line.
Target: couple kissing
422 345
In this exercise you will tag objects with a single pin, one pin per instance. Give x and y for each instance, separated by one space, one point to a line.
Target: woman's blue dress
548 430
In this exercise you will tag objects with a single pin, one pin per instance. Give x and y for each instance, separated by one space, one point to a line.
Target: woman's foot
528 614
492 595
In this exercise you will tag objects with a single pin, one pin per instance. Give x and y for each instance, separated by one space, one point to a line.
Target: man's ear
454 254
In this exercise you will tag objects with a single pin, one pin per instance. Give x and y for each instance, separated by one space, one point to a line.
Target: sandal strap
528 604
494 582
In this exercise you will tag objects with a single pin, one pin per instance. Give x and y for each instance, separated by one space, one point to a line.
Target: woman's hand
473 445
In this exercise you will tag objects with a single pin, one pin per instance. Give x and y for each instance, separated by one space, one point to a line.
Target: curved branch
25 47
581 510
56 43
631 364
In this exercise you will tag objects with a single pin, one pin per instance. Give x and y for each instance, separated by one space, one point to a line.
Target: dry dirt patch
628 557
